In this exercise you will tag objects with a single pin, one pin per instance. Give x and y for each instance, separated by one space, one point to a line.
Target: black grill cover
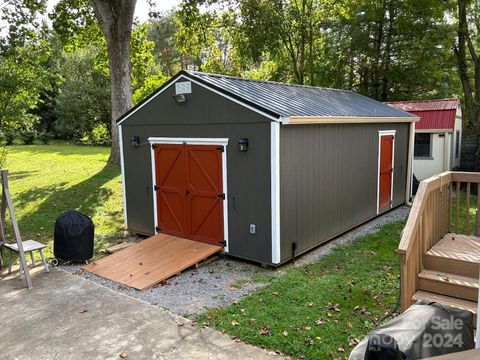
424 330
73 238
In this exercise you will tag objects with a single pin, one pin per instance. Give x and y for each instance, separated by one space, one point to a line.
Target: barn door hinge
157 229
223 242
220 148
156 188
153 146
222 196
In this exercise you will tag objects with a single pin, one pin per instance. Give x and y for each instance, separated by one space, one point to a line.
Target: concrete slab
67 317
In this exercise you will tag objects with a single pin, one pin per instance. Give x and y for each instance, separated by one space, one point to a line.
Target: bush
100 135
3 157
28 136
45 137
10 136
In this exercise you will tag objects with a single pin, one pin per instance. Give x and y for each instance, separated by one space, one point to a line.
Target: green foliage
10 136
83 100
3 157
99 135
150 85
45 137
28 136
23 77
320 311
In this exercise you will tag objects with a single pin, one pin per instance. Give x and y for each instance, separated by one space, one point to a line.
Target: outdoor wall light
180 98
243 145
135 141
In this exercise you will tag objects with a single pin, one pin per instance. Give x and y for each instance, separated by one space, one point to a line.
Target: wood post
7 202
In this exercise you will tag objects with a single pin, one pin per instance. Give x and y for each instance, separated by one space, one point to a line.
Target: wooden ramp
152 261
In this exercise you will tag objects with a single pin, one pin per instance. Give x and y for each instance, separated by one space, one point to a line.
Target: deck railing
436 211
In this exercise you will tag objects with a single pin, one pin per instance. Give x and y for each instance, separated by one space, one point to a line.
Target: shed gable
202 105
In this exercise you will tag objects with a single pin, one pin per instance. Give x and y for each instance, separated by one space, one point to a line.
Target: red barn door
385 177
190 192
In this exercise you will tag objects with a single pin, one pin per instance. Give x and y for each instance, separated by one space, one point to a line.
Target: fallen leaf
83 311
310 304
349 324
234 323
308 328
123 354
242 311
265 331
275 293
308 342
341 349
319 322
285 333
329 314
252 320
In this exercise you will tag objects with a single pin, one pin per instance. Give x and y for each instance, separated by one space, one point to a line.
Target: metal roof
298 100
426 105
434 114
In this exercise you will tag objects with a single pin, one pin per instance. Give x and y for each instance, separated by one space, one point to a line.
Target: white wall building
438 135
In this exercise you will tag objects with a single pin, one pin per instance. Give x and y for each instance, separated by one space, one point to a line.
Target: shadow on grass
87 197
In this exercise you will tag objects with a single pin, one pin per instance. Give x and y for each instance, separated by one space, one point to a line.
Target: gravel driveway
226 280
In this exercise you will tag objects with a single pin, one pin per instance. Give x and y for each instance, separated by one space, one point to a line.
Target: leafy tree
150 85
22 79
83 100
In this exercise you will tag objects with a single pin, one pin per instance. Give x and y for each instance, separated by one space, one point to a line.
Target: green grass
297 310
46 180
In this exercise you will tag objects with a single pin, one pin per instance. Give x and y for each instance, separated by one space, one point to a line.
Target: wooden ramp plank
152 261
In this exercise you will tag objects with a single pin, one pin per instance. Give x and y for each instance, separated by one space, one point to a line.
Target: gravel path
226 280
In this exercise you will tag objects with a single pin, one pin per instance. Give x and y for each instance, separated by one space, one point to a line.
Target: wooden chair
29 246
6 202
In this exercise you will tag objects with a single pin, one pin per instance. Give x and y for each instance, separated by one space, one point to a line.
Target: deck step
443 283
453 263
447 300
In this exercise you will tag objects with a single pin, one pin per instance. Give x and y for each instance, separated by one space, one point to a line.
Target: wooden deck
152 261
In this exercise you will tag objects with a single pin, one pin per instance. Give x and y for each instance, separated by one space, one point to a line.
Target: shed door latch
222 196
156 188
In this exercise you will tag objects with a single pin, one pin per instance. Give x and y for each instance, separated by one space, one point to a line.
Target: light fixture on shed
243 145
135 141
180 98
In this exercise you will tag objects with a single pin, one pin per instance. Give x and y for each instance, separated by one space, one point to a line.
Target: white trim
305 120
271 117
154 194
122 167
189 141
409 182
193 141
382 133
275 189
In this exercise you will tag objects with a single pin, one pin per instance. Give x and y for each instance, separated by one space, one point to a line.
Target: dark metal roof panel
297 100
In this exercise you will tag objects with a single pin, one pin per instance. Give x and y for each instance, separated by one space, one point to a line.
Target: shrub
45 137
100 135
10 136
3 157
28 136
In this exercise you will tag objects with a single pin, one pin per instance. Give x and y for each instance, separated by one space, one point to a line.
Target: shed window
422 148
457 144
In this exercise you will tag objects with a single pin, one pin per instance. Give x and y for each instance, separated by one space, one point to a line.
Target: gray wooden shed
267 170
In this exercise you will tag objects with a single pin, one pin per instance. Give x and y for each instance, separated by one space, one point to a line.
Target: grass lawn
320 311
46 180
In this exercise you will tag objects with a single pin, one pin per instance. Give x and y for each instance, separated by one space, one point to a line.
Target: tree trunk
115 18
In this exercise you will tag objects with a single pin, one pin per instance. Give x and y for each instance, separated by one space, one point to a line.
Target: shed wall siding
248 174
328 179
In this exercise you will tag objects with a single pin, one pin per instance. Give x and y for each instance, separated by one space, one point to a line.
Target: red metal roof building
438 115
